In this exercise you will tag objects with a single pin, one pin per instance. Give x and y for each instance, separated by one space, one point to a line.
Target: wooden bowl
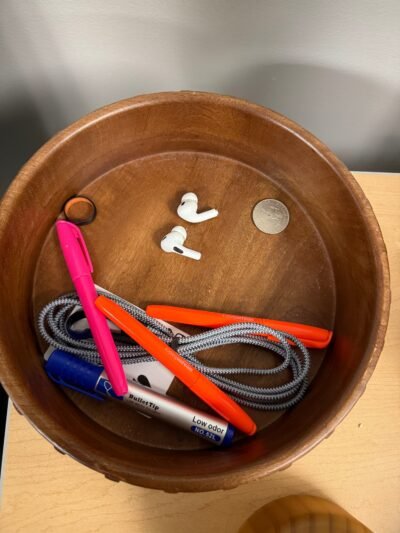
135 158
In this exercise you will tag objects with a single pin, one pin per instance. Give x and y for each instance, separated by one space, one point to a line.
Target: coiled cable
53 327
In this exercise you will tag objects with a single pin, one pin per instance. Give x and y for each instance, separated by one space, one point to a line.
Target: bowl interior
286 276
134 160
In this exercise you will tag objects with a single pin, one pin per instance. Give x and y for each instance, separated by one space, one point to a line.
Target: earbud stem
191 253
194 217
206 215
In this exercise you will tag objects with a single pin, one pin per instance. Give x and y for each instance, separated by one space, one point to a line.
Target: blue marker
70 371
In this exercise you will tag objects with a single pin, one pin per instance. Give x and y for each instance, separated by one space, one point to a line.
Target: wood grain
357 467
137 157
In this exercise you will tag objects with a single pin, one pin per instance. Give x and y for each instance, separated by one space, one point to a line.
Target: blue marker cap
230 433
70 371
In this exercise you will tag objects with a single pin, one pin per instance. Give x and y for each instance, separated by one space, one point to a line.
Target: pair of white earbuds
187 210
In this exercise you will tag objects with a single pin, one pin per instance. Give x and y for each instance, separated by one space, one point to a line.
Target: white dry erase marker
70 371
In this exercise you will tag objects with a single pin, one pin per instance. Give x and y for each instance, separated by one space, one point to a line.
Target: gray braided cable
52 324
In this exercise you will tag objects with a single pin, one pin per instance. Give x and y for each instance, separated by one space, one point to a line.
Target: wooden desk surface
358 467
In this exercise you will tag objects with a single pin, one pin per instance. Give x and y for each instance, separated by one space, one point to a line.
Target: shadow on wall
30 110
349 113
21 134
44 95
356 116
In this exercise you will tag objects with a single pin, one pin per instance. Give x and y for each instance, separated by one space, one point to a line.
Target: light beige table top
358 467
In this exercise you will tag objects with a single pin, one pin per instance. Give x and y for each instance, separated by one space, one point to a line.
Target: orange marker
192 378
310 336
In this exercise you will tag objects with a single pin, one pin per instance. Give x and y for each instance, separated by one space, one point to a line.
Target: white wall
332 65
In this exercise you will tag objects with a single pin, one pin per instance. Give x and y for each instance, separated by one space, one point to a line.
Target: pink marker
80 268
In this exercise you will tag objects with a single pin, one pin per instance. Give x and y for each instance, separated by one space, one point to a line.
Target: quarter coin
271 216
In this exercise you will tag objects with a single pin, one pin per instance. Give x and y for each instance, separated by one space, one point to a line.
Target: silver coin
271 216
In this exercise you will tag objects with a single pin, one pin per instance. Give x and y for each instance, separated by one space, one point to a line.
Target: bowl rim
257 469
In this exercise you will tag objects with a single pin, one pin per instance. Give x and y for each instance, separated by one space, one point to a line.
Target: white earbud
173 242
188 209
